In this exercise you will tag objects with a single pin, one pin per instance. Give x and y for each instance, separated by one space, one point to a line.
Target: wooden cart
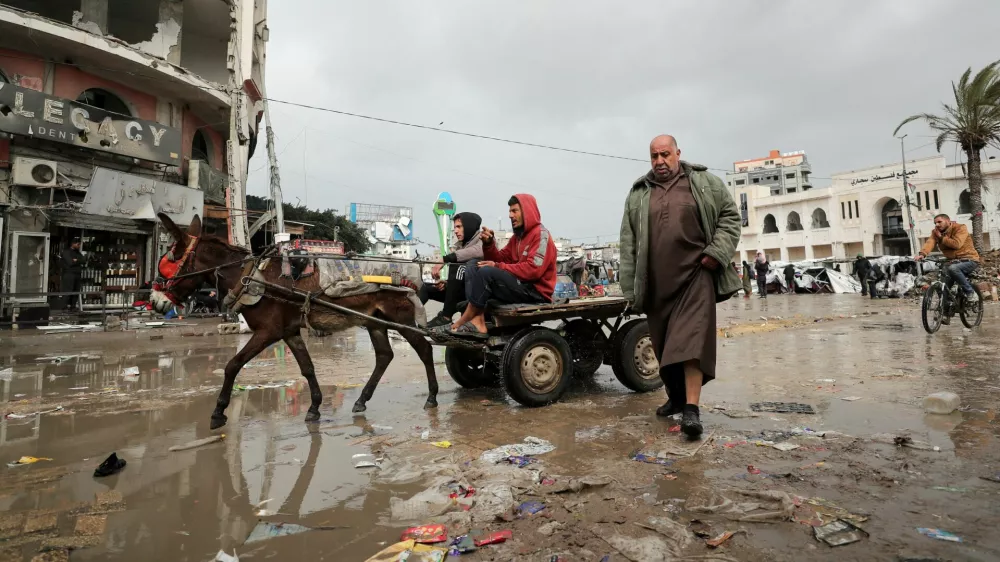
534 350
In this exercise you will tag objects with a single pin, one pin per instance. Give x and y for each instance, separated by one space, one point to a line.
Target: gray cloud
731 80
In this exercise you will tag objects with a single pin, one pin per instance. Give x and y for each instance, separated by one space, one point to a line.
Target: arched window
103 99
770 225
965 203
892 219
819 219
794 222
201 148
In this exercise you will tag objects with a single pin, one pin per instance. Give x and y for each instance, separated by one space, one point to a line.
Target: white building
862 211
780 173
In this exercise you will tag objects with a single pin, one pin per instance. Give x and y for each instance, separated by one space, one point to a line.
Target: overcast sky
731 80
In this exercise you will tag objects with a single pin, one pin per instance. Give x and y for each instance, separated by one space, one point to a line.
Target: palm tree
974 123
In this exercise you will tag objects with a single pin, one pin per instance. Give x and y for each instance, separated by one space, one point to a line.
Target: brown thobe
680 304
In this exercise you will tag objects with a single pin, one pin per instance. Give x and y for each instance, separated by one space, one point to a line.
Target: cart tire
468 368
635 363
537 366
588 343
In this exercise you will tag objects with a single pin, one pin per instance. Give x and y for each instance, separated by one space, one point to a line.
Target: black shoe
668 409
110 466
439 320
691 422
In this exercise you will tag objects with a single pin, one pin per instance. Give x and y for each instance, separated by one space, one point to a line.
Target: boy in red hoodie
523 272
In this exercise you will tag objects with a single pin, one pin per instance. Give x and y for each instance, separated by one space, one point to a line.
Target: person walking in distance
862 267
747 277
761 266
71 263
789 272
679 228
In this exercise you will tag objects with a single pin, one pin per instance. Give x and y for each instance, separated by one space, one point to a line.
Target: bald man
680 225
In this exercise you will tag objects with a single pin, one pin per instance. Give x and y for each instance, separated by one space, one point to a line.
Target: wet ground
863 365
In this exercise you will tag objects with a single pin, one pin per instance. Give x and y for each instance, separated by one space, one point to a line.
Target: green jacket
720 220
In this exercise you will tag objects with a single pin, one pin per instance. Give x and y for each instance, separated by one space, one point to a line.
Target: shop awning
73 219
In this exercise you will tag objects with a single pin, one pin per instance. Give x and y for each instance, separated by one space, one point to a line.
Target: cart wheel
537 366
635 363
587 343
468 367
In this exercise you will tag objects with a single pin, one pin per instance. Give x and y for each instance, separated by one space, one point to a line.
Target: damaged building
110 112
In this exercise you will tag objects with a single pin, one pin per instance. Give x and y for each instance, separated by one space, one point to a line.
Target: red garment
530 255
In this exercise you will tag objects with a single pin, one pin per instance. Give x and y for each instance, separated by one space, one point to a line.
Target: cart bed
517 314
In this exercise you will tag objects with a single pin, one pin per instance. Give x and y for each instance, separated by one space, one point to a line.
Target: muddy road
868 455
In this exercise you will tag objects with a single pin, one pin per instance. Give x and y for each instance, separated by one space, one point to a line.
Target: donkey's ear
194 229
173 229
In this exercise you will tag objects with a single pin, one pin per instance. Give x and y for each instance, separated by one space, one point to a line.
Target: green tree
973 122
321 223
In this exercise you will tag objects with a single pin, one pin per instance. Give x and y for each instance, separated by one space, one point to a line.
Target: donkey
196 258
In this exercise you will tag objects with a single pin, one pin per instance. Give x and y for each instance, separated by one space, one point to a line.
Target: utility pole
906 193
279 210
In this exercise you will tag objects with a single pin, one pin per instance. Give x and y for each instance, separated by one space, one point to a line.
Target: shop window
770 225
201 147
103 99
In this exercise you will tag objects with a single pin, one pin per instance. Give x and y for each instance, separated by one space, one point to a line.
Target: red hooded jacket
531 255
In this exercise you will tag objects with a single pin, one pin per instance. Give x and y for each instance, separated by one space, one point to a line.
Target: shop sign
34 114
117 194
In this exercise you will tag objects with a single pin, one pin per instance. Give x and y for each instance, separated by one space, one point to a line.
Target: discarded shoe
667 410
111 465
691 422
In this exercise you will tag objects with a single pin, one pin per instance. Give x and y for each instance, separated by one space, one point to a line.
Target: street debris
827 511
576 485
364 460
530 508
111 465
410 551
242 388
850 398
425 534
550 528
461 545
992 478
521 462
266 530
7 374
198 443
495 538
27 460
839 533
442 444
950 489
942 403
223 557
939 534
903 441
782 408
13 416
130 371
785 446
530 447
642 457
717 541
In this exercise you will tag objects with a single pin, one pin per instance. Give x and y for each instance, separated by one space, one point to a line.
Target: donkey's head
190 262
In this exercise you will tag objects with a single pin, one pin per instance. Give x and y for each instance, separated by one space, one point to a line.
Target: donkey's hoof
431 404
359 407
312 416
218 420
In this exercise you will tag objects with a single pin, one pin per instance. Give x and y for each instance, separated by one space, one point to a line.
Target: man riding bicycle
955 243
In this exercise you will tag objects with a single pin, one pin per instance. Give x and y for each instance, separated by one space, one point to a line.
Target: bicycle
940 303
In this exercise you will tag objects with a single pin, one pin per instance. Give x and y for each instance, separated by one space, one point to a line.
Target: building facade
863 211
112 111
779 172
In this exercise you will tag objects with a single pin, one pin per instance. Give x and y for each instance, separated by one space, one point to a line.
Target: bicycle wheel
931 308
972 315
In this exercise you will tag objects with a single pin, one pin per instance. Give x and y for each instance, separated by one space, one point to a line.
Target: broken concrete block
91 524
41 522
942 403
70 543
11 525
61 555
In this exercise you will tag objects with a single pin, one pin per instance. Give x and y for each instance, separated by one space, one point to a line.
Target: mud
863 365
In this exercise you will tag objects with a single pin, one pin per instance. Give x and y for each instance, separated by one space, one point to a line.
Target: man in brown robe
680 224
